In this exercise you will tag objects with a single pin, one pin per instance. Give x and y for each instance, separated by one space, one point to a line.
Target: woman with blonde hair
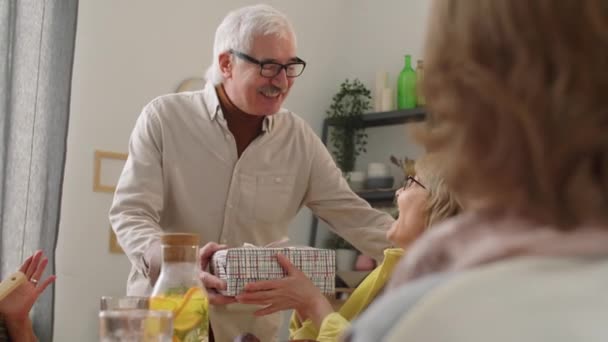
519 116
424 200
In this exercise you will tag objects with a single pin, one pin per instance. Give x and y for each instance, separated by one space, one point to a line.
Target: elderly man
230 164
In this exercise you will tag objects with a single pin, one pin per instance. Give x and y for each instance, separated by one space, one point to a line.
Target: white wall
128 52
381 34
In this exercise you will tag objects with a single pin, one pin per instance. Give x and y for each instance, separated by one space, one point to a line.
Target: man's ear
226 64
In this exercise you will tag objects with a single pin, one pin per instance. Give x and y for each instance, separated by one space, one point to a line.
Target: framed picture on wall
106 170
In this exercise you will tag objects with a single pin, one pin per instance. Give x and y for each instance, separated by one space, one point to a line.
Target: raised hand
17 305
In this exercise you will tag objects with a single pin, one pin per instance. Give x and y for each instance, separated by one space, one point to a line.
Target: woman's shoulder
389 307
508 291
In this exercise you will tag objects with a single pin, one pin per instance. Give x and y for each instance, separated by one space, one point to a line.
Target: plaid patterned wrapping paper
240 266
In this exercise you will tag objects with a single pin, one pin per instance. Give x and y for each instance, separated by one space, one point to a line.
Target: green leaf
348 134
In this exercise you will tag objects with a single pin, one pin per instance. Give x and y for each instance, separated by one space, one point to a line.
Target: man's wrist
152 262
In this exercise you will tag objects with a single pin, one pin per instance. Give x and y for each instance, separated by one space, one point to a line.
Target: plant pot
379 183
356 180
345 259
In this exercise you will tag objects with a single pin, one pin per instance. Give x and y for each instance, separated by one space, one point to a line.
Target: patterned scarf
472 240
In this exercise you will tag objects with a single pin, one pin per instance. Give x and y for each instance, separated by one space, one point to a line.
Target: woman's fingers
40 269
48 281
33 264
26 264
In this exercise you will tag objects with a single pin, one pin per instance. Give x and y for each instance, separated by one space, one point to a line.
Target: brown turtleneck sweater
244 127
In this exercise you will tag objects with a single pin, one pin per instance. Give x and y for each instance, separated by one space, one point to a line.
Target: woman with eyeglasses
423 201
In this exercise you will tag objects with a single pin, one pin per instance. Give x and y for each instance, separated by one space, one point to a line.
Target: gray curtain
36 54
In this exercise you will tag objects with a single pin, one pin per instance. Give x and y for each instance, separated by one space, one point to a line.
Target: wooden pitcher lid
180 239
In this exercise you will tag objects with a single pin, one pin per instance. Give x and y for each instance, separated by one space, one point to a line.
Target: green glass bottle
406 86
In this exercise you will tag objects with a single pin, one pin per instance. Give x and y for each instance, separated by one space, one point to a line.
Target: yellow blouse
335 323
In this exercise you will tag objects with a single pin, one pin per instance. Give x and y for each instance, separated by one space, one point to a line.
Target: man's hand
295 291
212 283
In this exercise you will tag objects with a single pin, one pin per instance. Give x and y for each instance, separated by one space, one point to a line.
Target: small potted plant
347 136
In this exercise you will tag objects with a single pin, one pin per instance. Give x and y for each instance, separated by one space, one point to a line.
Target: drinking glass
123 303
135 326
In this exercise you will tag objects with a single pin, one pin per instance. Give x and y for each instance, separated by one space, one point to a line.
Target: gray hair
240 27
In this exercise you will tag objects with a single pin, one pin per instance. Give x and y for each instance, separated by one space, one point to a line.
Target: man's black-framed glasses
270 69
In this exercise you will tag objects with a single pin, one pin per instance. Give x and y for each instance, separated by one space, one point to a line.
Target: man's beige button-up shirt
183 175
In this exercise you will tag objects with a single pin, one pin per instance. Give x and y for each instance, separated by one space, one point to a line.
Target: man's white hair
240 27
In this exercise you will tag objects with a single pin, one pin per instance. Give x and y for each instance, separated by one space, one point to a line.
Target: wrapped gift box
240 266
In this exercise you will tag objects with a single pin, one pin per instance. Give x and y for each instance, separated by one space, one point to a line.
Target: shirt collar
212 102
268 123
214 109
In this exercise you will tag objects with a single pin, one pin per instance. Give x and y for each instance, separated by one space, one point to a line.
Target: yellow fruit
193 293
189 312
192 336
186 321
163 304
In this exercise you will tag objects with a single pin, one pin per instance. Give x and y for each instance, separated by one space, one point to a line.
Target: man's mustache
273 89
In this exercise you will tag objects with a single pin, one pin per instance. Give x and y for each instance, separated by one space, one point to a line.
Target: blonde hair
442 203
518 96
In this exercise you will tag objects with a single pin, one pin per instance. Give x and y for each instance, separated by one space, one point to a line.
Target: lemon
163 304
186 321
192 336
193 293
191 312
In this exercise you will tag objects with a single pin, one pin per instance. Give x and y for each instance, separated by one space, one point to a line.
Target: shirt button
278 180
223 241
229 206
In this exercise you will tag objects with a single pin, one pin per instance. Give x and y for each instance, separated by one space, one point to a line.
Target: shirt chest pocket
269 197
